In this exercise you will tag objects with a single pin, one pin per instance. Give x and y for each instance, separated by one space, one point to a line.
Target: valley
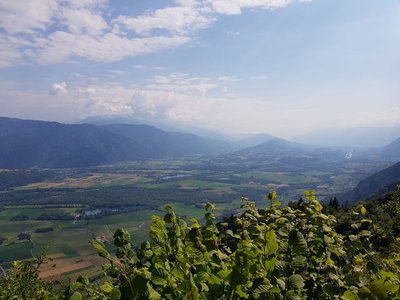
58 211
63 185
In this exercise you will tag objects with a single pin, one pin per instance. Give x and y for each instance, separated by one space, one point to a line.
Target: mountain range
158 143
28 143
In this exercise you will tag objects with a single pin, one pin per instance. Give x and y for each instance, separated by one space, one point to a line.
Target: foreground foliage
22 282
272 253
384 212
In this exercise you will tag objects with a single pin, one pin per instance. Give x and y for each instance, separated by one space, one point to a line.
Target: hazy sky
277 66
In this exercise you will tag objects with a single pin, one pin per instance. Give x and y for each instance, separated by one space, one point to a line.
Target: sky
283 67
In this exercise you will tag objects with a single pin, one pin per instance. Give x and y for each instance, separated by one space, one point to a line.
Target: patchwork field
61 214
68 244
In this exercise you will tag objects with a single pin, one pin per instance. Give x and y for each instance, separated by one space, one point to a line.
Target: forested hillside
375 185
392 151
384 214
292 252
27 144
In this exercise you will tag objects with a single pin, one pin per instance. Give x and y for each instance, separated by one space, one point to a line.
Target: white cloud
26 16
80 31
103 99
234 7
61 45
57 31
230 32
85 3
180 82
139 66
83 20
91 90
228 79
59 88
229 115
164 100
177 98
178 19
116 72
187 3
9 54
142 67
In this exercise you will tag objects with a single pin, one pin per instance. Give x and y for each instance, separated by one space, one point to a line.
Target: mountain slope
375 185
252 141
392 151
159 143
277 146
26 143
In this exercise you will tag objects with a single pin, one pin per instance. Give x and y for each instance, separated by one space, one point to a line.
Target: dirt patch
101 179
64 269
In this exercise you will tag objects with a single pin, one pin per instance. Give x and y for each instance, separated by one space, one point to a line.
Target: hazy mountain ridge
28 143
252 140
375 137
375 185
282 147
278 146
160 143
392 151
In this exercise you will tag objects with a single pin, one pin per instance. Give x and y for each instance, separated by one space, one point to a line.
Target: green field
70 239
18 251
127 195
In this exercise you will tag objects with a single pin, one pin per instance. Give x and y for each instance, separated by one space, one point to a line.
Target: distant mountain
278 146
301 152
109 120
374 185
392 151
375 137
26 143
252 140
161 143
166 126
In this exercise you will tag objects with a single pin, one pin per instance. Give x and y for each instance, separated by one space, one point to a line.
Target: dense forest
305 250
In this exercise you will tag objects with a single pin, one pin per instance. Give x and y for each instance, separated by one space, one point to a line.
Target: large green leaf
331 289
349 295
76 296
100 248
115 294
106 287
296 281
297 241
379 290
261 286
292 295
271 243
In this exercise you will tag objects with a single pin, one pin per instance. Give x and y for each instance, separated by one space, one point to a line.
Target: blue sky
283 67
